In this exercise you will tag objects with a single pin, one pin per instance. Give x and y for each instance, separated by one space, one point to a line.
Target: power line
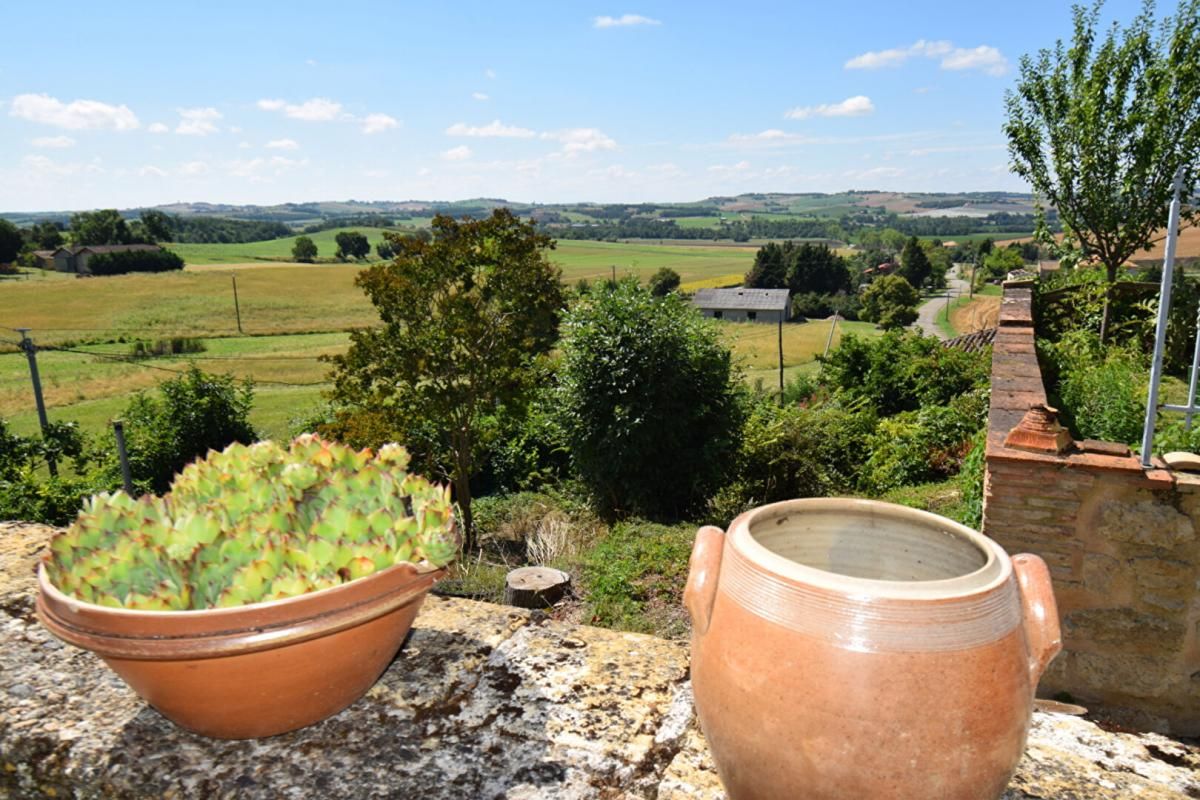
139 363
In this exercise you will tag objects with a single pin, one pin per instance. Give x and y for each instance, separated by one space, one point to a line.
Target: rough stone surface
1145 522
483 702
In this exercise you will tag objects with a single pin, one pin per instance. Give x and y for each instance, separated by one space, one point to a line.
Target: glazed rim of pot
869 547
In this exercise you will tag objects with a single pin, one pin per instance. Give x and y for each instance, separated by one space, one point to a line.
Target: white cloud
769 136
158 127
921 90
283 144
53 142
263 169
193 168
855 106
974 148
41 165
244 145
490 74
77 115
150 169
493 129
726 169
985 57
479 96
623 21
898 55
197 121
875 172
581 140
312 62
460 153
316 109
378 123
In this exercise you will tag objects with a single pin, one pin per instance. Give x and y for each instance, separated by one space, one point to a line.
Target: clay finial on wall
1039 432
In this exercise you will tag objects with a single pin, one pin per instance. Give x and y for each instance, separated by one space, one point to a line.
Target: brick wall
1121 543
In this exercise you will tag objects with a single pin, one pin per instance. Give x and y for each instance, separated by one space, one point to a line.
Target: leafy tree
1099 129
189 416
770 268
999 262
914 264
890 302
26 492
304 250
939 263
100 227
649 400
10 242
663 282
352 244
158 226
816 268
46 236
465 316
385 250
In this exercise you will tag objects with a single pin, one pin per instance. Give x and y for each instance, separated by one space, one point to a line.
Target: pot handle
703 569
1039 613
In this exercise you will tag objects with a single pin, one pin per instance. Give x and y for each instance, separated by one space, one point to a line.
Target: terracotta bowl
856 649
254 670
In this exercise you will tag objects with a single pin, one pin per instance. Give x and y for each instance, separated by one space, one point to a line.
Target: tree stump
535 587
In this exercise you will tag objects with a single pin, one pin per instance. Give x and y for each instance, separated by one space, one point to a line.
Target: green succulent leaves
253 523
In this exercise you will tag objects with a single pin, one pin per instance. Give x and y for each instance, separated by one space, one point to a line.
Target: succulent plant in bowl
253 523
277 580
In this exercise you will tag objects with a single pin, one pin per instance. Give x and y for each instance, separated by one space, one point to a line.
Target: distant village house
743 305
75 259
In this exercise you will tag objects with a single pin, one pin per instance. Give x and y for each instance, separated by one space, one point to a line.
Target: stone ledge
483 701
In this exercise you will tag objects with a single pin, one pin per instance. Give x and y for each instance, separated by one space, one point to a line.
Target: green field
272 249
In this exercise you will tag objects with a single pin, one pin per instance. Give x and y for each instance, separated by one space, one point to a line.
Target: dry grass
757 344
976 315
718 282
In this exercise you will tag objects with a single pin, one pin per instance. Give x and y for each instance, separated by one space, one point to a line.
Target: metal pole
1191 403
1160 334
31 354
123 455
236 307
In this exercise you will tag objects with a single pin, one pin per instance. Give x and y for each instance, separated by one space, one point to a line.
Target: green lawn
272 249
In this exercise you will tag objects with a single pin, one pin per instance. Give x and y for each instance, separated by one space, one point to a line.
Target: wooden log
535 587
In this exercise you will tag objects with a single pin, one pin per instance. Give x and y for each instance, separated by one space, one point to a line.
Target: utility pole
31 354
781 358
832 327
237 308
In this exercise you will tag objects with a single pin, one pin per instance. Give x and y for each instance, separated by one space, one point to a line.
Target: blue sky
133 103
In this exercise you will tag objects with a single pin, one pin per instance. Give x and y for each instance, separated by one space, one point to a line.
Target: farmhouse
743 305
75 259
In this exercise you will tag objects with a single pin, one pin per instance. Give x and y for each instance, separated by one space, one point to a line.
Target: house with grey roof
743 305
75 259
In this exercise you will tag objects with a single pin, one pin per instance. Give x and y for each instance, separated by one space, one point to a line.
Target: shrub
174 346
189 416
663 282
304 250
648 400
902 371
527 447
536 527
26 493
919 446
890 302
635 575
1100 389
119 263
792 451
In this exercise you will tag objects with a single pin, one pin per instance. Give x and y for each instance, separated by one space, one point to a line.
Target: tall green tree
770 267
46 236
158 226
10 242
890 302
464 318
106 226
648 399
352 244
663 282
1099 128
816 268
914 263
304 250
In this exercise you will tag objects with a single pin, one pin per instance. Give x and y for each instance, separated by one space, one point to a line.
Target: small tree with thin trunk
304 250
464 317
1100 128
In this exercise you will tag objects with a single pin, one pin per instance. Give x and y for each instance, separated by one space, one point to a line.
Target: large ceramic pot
855 649
253 670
